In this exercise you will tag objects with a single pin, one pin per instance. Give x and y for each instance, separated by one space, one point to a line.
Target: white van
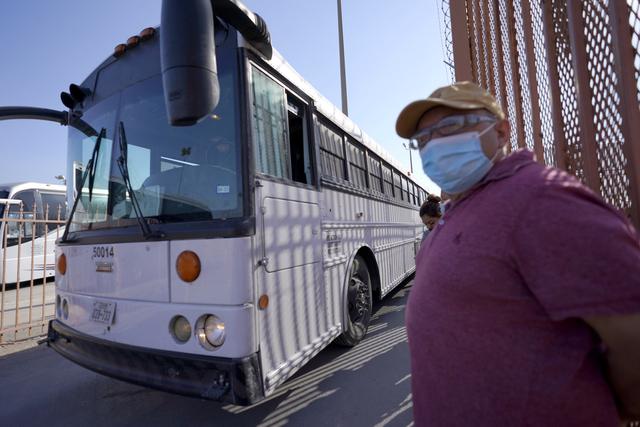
27 247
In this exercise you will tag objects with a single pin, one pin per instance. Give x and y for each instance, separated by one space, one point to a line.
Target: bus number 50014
102 251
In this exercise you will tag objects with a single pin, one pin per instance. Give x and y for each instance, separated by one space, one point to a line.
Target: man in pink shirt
525 308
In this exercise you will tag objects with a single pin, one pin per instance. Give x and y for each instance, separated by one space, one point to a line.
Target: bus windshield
3 195
177 174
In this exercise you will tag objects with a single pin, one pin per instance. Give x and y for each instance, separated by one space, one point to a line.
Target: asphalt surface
368 385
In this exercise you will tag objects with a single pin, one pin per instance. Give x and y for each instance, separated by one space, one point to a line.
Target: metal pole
536 124
624 57
489 48
481 56
500 61
410 157
560 141
586 114
343 73
410 161
461 40
515 75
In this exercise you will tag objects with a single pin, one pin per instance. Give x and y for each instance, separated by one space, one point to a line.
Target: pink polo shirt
493 317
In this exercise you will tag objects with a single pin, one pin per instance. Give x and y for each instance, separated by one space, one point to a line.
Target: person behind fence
430 214
526 310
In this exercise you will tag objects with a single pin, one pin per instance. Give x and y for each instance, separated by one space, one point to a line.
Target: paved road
368 385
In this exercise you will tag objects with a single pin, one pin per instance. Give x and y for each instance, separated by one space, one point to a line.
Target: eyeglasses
447 126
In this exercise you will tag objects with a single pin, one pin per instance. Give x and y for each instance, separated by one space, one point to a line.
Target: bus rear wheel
359 304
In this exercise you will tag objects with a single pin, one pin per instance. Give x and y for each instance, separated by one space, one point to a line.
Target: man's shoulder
536 177
533 184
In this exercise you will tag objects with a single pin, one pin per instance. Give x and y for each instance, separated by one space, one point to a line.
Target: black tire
359 304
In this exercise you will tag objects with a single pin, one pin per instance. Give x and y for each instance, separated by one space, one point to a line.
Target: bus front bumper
237 381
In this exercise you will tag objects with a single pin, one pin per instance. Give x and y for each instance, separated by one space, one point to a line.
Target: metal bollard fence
27 269
567 73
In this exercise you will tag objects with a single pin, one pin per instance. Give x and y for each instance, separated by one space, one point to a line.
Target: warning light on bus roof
147 33
188 266
119 50
133 41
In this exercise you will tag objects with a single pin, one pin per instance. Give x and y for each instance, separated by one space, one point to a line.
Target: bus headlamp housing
210 331
180 329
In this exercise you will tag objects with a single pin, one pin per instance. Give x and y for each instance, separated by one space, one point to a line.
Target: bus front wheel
358 304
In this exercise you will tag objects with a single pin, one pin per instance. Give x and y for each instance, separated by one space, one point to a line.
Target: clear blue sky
393 55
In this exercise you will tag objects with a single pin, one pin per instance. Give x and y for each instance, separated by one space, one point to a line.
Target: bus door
288 239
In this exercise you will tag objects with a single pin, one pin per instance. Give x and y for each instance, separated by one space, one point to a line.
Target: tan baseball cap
460 95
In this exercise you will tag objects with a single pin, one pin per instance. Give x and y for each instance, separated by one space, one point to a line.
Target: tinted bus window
54 205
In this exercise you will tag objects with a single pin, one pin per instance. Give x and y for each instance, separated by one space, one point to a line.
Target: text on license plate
103 311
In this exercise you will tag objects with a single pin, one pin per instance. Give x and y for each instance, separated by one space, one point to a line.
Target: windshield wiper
124 171
90 170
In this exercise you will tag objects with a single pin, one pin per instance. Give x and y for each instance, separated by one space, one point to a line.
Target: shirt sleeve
578 256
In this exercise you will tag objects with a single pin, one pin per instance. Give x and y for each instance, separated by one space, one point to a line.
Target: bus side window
19 226
280 131
387 178
357 165
269 122
56 205
301 167
332 156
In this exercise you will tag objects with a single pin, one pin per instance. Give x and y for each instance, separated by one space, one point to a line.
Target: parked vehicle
227 222
31 219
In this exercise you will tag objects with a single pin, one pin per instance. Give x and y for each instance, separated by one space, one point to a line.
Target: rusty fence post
489 48
461 40
624 54
485 45
586 112
515 73
527 21
476 45
500 60
559 138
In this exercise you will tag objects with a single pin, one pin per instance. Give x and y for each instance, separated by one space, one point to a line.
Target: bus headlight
180 329
210 331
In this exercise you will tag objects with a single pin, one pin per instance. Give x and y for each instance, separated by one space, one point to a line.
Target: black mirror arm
35 113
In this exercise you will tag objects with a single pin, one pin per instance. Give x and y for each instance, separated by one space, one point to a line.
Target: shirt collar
503 169
509 165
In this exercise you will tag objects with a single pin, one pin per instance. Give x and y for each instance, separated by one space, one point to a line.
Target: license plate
103 312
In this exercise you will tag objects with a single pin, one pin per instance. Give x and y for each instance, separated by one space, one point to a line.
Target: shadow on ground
368 385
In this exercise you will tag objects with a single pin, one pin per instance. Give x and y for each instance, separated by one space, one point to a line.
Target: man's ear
503 128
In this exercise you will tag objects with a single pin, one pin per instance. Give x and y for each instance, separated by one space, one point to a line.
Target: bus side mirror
188 60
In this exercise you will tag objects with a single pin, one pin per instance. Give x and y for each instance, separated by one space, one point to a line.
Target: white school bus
231 221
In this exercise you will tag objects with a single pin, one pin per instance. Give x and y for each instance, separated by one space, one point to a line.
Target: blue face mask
456 163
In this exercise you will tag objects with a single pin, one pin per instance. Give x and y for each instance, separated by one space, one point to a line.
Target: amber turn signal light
188 266
263 302
147 33
133 41
62 264
119 50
